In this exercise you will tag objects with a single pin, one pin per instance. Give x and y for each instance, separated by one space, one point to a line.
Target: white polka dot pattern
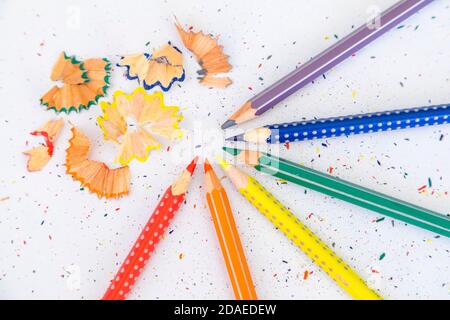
356 124
143 247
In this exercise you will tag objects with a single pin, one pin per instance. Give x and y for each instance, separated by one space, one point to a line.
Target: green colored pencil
344 190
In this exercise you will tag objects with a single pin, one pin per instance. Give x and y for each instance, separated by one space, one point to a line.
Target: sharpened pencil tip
192 165
232 151
222 162
239 137
227 124
207 166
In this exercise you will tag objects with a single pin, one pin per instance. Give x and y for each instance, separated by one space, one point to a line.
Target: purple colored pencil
323 62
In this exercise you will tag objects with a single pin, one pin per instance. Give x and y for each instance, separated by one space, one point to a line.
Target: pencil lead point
207 166
239 137
192 165
232 151
227 124
222 162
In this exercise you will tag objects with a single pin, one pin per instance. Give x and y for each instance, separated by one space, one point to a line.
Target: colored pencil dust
152 233
345 190
348 125
298 233
325 61
229 240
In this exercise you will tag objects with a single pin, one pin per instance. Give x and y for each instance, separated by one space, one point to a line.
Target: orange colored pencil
229 240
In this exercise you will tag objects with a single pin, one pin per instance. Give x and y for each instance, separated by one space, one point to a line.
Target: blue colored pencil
348 125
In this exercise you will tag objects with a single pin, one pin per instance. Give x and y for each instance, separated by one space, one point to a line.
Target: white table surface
59 242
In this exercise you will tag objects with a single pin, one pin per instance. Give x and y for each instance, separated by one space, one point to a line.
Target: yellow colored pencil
297 232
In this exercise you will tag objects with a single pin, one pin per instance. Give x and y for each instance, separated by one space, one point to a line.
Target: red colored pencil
135 262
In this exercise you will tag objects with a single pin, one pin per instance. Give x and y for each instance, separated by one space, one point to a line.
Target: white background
59 242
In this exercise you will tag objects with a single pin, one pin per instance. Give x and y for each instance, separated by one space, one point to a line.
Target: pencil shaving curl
151 117
94 175
209 55
38 157
83 83
162 68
